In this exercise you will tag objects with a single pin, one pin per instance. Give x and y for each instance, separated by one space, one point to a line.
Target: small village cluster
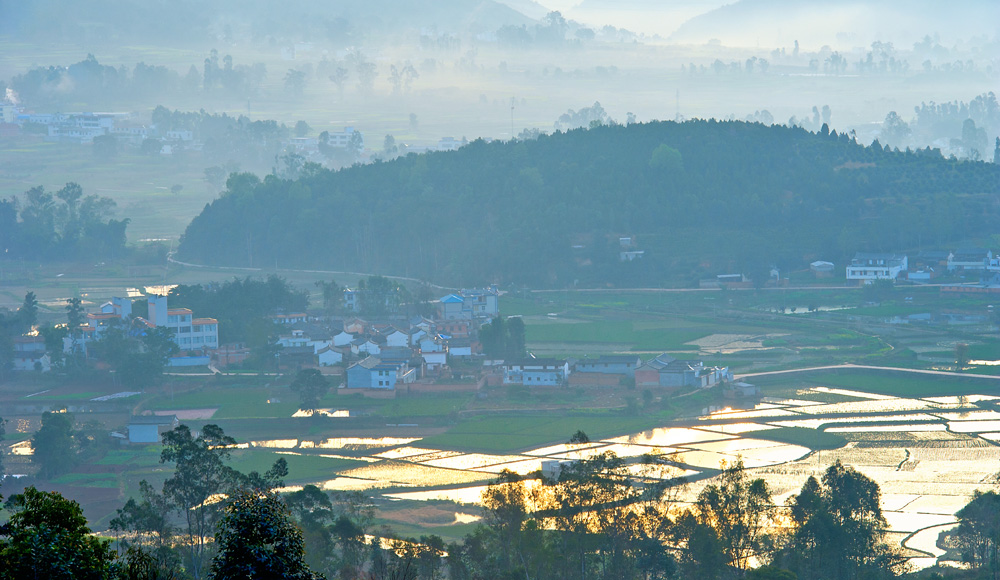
82 128
927 265
379 358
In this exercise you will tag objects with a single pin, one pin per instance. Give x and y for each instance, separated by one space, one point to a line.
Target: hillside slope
701 197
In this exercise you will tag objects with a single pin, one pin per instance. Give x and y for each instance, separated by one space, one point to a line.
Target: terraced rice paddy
928 455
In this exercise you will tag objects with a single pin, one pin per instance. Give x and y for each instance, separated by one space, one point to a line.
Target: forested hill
700 198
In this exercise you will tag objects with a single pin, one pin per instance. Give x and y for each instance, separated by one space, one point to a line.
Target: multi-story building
189 333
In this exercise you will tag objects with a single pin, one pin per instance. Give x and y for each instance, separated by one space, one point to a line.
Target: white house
343 138
343 338
189 333
329 356
471 303
395 337
867 268
435 352
366 346
535 372
300 338
969 259
30 354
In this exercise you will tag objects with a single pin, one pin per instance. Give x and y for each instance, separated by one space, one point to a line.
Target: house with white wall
868 267
189 333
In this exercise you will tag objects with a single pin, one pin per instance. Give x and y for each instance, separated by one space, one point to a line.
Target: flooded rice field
928 456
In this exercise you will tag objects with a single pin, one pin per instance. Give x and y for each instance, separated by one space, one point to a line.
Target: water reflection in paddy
926 540
670 436
974 426
471 461
911 522
466 495
881 406
561 448
850 393
971 416
737 428
888 428
400 473
522 467
331 456
957 400
757 414
276 443
323 413
734 446
404 452
342 442
817 423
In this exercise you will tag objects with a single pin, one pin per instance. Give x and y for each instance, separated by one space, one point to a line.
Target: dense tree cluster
102 86
241 305
550 211
503 338
65 225
226 138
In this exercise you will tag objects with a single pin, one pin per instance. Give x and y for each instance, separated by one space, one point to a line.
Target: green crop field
895 383
300 467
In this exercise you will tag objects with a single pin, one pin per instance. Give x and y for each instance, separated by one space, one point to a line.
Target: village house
536 372
288 319
329 356
619 364
666 371
434 349
374 373
469 304
458 328
355 326
150 428
188 332
969 259
30 354
866 268
299 337
368 345
394 337
460 347
343 338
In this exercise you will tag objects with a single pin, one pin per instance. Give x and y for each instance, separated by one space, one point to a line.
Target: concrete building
189 333
610 364
866 268
536 372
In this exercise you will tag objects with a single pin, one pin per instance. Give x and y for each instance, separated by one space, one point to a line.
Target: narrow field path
870 367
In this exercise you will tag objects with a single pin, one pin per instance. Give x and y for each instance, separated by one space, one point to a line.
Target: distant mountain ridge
840 23
697 199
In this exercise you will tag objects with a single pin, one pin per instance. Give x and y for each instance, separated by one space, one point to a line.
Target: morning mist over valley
482 289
